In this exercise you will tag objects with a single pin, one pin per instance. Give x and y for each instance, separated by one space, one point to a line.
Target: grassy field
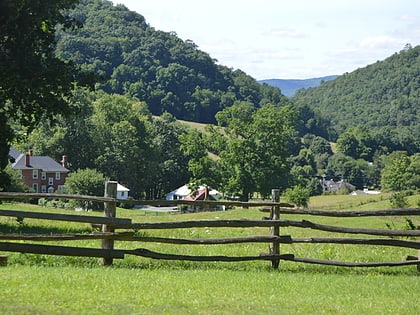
40 284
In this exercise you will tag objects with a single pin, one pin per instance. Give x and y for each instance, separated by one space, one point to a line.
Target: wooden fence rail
112 226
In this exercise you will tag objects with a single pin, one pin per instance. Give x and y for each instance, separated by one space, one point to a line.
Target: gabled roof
44 163
183 191
121 187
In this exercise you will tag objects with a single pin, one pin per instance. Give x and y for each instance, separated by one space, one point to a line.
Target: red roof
199 195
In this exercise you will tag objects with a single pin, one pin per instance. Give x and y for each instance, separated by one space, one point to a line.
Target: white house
183 192
122 192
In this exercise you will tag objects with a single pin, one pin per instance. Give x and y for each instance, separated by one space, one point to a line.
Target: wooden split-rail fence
123 229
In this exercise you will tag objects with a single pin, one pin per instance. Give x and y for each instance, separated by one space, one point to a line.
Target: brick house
41 173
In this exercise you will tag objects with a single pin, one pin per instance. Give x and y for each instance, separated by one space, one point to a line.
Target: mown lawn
94 290
40 284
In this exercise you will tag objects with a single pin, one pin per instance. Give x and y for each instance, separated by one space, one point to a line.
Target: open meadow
41 284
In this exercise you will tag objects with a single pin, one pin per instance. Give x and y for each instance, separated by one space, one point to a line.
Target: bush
298 195
398 200
88 182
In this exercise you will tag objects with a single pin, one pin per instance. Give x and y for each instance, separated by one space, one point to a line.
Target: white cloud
379 42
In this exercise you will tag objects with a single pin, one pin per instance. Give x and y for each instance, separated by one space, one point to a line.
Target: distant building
41 173
365 192
122 192
332 186
183 192
202 193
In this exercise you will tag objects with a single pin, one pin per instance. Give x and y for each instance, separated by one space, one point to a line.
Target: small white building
183 192
122 192
365 192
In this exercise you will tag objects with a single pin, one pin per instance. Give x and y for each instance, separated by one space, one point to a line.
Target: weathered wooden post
418 253
275 230
110 208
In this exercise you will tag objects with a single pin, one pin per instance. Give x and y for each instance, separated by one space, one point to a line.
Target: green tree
400 171
16 184
88 182
172 170
71 135
122 131
254 156
357 143
34 83
201 167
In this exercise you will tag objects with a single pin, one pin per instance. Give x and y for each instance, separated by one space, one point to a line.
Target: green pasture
41 284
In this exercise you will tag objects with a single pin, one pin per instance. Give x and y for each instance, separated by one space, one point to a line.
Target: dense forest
126 128
378 104
169 74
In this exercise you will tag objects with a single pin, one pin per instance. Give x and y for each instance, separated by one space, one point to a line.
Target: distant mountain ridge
289 87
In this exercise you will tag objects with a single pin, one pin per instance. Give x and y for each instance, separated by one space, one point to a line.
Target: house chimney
64 161
27 159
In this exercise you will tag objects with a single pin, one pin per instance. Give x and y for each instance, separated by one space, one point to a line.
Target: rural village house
332 186
202 193
183 192
41 173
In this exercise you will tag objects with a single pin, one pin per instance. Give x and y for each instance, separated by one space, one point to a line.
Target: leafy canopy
34 83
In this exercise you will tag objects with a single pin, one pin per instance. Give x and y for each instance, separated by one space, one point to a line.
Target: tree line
119 86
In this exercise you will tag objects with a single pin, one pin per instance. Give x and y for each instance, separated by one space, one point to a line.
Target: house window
50 181
50 190
35 174
57 175
35 187
122 193
60 187
43 189
43 176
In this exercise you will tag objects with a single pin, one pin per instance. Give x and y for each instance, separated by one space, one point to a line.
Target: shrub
86 182
398 200
298 195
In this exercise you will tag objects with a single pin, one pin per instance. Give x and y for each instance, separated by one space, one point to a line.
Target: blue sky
293 39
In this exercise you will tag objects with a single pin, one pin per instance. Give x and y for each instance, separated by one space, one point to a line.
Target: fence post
110 212
275 230
418 253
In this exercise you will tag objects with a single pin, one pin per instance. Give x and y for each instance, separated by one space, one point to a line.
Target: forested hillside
127 130
157 67
380 101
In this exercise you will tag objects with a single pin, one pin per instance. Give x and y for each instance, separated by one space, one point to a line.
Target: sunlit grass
41 284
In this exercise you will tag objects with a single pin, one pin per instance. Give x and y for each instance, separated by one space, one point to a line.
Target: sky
288 39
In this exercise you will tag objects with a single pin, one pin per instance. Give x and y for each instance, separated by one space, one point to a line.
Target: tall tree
254 158
400 171
33 82
121 129
172 169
